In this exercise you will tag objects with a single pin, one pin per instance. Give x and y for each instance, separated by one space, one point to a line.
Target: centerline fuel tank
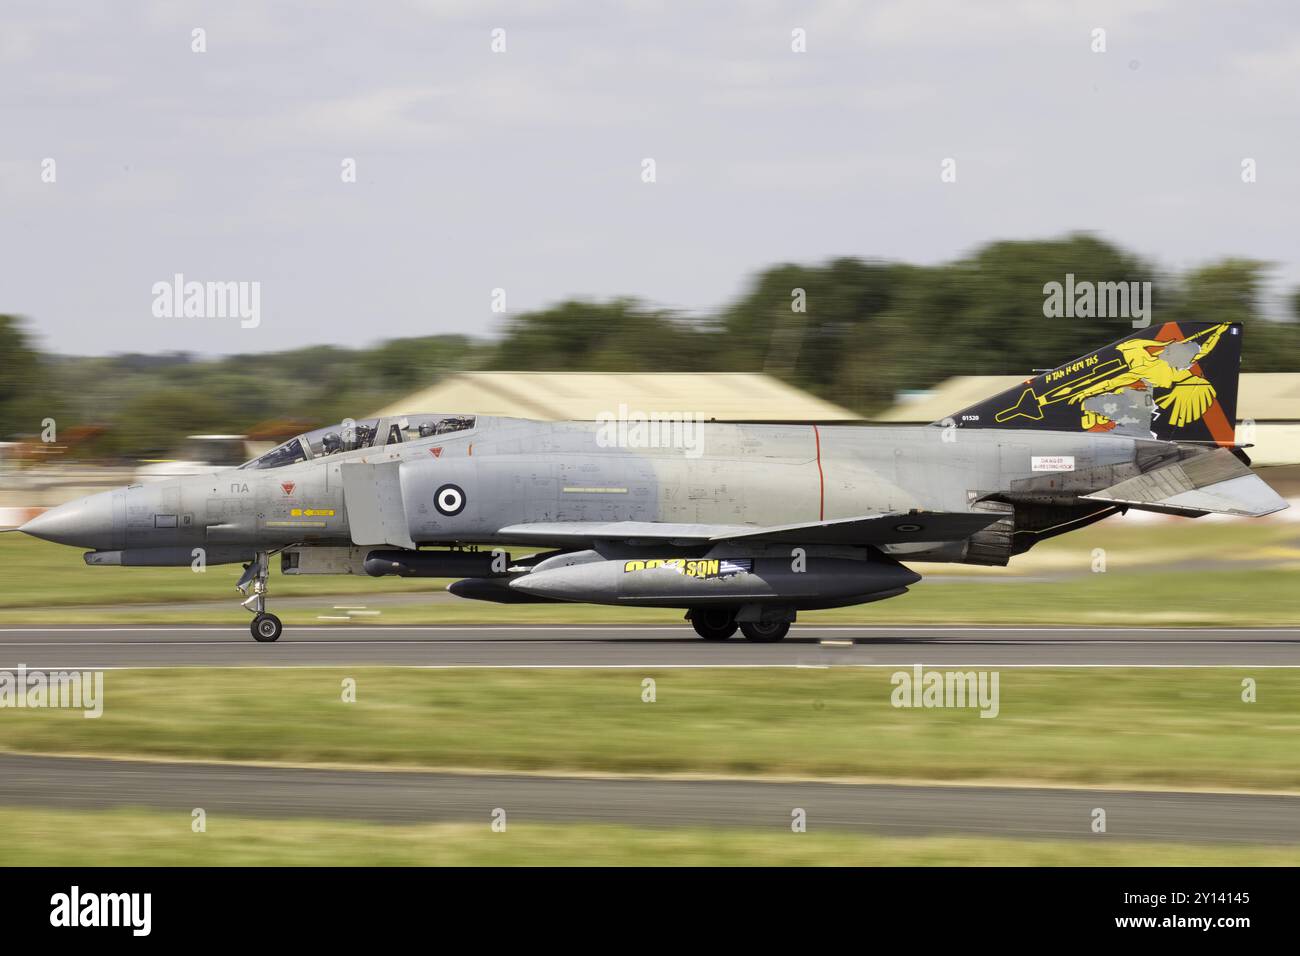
694 582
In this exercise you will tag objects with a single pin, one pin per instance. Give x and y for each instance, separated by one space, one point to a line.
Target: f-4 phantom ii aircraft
757 523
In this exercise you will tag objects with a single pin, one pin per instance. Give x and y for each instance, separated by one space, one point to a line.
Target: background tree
21 392
869 330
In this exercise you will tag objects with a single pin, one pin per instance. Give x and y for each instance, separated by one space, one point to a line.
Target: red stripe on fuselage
821 478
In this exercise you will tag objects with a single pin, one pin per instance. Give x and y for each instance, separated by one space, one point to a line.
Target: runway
409 797
644 647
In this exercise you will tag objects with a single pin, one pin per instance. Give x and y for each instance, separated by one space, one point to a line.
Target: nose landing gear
265 627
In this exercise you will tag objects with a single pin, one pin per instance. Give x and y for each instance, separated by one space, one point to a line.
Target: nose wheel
266 627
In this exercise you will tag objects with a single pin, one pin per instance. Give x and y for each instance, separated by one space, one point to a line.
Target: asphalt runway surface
643 647
417 797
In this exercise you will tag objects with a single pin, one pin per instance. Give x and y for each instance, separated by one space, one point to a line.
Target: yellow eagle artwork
1163 365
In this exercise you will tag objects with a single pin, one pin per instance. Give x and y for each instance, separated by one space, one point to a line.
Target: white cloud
1274 72
385 117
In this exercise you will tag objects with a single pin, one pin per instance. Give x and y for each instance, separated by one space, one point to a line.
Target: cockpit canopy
350 435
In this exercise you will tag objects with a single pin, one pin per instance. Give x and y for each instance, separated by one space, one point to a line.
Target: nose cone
85 523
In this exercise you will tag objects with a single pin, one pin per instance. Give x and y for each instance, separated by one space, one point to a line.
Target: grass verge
152 838
1176 728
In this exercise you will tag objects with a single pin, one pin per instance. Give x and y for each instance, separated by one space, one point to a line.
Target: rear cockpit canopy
349 435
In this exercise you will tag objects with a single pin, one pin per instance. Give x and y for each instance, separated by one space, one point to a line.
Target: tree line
853 331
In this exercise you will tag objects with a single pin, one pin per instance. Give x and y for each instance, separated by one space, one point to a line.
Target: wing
894 528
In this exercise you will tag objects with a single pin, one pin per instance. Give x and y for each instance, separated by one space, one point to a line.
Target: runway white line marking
809 630
588 643
661 667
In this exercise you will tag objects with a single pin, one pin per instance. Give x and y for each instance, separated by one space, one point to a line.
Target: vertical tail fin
1175 382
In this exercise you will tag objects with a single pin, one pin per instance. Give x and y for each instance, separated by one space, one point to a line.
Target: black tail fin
1175 382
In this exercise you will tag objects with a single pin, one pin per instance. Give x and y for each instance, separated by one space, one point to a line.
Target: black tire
765 633
713 624
266 628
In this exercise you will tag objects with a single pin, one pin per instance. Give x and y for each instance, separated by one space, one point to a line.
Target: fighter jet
743 526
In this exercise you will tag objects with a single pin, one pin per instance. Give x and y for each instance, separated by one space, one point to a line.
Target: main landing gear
765 632
719 623
265 627
713 623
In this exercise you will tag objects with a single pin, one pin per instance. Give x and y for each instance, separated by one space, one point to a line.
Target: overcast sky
522 170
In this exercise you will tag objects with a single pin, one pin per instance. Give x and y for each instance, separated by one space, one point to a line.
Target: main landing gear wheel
765 632
714 624
266 628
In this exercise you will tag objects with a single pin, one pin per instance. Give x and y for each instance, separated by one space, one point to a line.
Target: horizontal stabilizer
870 529
1212 483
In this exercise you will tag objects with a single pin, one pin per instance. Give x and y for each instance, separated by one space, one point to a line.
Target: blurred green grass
1175 728
130 837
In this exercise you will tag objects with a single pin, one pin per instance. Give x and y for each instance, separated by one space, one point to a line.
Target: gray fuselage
514 471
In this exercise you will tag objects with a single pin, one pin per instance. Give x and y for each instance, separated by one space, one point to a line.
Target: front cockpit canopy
349 435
